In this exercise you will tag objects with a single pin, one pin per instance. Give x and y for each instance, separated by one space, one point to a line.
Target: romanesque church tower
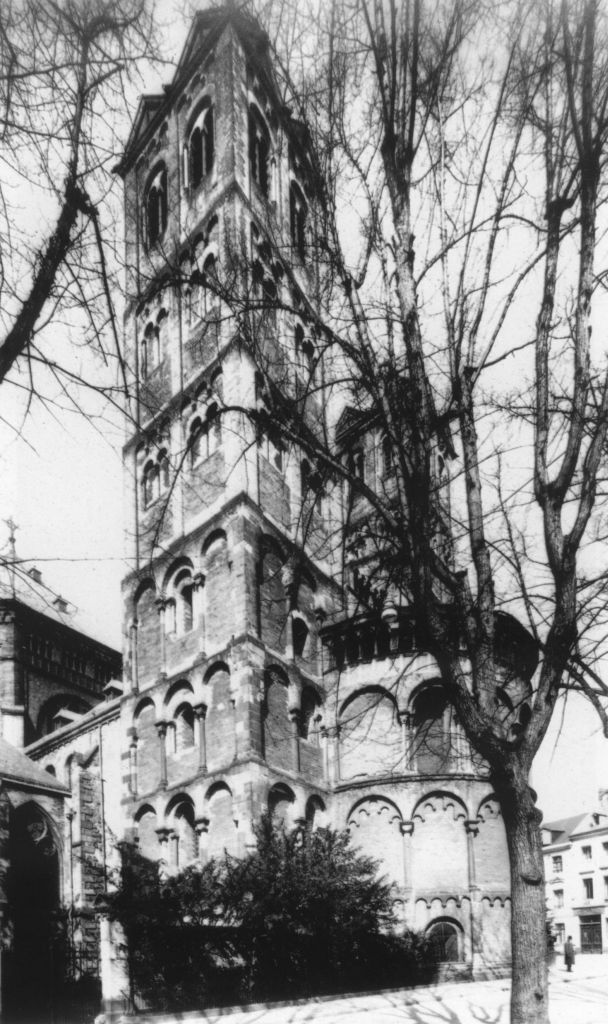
251 682
223 714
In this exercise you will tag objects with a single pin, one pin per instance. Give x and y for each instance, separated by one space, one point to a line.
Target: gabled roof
352 423
21 583
18 769
562 830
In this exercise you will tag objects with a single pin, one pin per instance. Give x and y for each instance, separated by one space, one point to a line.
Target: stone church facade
259 672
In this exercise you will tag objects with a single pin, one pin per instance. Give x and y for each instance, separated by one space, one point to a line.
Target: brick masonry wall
148 636
274 492
220 725
148 750
278 731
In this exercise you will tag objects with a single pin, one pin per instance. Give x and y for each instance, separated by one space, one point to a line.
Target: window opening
156 207
298 214
259 151
201 146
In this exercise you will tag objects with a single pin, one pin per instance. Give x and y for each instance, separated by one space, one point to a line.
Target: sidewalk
580 997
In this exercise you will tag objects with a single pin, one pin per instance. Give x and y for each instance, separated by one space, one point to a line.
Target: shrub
304 914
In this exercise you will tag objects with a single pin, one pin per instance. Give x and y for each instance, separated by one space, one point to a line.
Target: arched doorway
34 963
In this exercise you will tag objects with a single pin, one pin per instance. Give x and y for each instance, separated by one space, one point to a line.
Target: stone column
472 829
325 752
337 770
132 734
201 715
202 830
294 718
174 841
134 679
163 834
407 828
405 719
199 592
161 728
161 605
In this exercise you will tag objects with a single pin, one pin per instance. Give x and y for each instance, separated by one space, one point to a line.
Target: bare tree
467 143
66 67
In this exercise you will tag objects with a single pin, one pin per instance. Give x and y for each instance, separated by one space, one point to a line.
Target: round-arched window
445 942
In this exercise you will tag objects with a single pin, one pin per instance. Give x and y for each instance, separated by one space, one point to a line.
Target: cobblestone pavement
577 998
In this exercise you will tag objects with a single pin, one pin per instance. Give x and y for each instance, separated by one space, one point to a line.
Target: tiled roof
22 581
16 767
562 829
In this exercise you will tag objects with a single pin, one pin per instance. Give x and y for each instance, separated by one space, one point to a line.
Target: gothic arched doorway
34 962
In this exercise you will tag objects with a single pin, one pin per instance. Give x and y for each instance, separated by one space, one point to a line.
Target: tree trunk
529 987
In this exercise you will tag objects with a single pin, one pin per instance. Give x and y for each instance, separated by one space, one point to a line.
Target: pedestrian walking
569 953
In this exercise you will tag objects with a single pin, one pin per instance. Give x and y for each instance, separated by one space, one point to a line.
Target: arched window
156 207
150 350
356 463
205 435
185 832
300 633
209 283
204 286
149 483
155 478
201 146
163 472
273 451
298 213
310 715
432 744
184 728
305 351
171 615
445 942
179 609
259 151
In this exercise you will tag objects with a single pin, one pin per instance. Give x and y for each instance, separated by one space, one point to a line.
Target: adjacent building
59 749
576 879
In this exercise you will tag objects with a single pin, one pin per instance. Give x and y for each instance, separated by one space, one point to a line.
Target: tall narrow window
259 151
149 484
298 212
184 592
150 349
156 207
163 472
201 147
356 463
